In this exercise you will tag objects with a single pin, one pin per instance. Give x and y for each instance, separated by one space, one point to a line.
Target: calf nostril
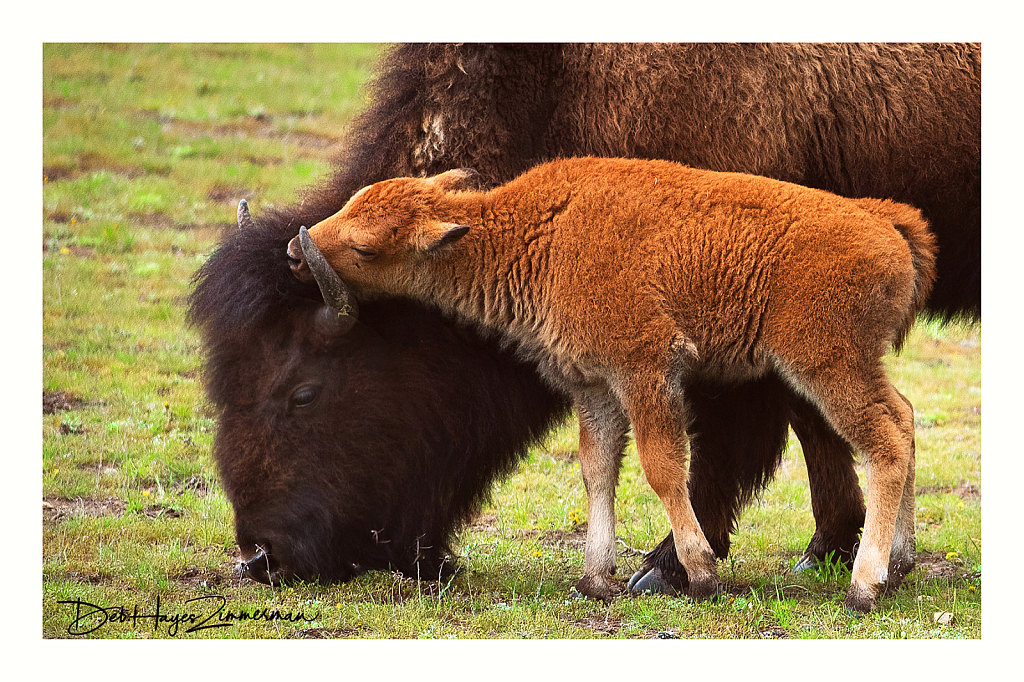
297 262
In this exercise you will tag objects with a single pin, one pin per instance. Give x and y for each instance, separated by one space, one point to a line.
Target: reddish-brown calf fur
622 278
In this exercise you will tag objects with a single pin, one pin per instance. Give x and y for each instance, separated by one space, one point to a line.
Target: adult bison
347 447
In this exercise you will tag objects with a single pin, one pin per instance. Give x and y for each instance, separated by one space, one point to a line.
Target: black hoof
650 581
807 562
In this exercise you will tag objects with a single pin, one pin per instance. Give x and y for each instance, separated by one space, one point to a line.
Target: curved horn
245 221
341 310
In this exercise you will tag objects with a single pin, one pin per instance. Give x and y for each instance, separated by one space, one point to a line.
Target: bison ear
438 235
458 179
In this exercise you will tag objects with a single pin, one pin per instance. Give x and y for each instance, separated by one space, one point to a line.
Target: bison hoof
597 587
651 581
808 562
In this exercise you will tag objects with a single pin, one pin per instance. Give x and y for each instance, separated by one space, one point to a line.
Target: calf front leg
603 428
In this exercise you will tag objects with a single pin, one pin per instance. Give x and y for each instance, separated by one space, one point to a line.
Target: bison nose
297 262
261 567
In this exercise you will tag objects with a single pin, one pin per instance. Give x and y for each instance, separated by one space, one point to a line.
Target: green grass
146 151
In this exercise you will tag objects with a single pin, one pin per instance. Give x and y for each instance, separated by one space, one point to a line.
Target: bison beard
433 414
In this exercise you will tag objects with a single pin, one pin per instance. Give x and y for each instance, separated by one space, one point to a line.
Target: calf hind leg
903 555
737 437
870 413
662 446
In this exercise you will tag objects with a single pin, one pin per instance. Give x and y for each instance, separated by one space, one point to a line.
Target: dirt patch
60 508
90 578
156 221
265 161
56 173
937 566
775 632
57 509
485 524
324 633
197 484
64 218
52 101
577 537
60 400
964 492
602 625
199 578
91 162
161 511
227 194
260 126
98 468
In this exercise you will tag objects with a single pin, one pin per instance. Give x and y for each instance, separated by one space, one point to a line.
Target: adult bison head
355 446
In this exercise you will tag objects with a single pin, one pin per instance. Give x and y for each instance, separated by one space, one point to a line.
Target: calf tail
913 227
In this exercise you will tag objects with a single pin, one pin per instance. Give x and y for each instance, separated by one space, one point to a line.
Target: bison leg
662 445
603 429
836 497
737 437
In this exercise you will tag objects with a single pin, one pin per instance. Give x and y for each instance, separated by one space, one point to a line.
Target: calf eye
304 396
365 253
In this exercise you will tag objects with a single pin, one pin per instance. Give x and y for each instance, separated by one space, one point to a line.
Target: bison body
621 280
900 121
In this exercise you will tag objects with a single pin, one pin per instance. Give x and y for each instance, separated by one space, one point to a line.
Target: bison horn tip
245 221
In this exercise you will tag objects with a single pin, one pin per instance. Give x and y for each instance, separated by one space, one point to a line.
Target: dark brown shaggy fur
901 121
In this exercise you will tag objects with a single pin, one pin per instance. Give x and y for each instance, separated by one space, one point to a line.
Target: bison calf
624 279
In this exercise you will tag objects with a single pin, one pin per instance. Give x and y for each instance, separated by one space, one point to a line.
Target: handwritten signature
198 613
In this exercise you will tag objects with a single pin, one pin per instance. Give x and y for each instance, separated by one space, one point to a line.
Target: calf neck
622 279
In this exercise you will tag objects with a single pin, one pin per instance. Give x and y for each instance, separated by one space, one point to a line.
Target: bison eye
365 253
304 396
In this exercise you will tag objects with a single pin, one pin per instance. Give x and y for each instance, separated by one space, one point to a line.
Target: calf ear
458 179
438 235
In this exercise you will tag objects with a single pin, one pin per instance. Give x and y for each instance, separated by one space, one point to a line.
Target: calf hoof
651 581
860 600
898 570
703 587
597 587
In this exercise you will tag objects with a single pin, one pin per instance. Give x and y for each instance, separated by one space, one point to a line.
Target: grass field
147 150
